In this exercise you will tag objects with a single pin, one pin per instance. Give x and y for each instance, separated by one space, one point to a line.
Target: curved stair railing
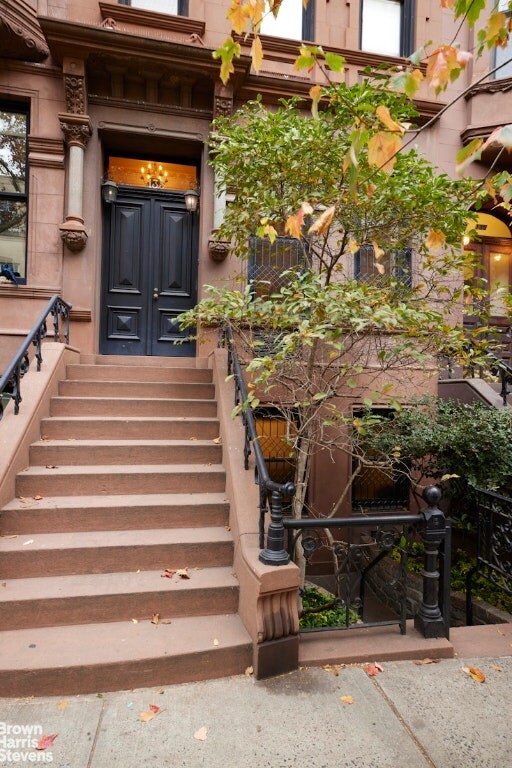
10 381
388 531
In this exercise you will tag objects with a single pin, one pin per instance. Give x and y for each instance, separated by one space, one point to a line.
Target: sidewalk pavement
409 715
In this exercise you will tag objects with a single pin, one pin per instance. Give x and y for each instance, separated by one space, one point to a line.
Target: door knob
155 293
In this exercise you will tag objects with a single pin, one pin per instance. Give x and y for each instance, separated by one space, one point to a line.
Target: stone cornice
200 114
492 86
21 37
128 15
77 40
280 49
26 292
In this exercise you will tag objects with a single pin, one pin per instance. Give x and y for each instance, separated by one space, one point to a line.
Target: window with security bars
270 262
392 267
272 430
376 487
174 7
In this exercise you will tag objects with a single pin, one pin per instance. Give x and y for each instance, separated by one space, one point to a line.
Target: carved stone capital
73 235
77 129
223 106
277 615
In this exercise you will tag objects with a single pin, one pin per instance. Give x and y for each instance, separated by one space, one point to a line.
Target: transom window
293 22
13 189
387 27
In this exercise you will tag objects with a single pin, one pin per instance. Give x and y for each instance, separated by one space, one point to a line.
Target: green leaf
335 62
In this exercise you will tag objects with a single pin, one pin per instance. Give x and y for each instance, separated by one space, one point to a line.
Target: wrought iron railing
10 381
494 545
387 531
355 560
271 494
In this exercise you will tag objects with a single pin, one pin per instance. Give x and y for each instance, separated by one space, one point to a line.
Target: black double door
150 248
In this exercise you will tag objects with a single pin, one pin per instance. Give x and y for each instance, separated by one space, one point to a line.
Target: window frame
20 108
308 24
407 29
271 250
400 273
507 49
182 7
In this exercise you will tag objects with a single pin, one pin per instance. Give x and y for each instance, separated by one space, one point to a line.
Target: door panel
149 274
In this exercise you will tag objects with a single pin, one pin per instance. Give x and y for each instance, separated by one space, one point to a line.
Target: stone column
77 130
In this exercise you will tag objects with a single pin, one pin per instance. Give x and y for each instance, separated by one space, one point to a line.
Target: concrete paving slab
297 719
74 719
459 722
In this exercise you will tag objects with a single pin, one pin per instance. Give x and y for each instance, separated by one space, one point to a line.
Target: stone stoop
126 481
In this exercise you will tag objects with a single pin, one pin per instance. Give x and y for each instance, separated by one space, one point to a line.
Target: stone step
111 480
137 389
95 598
58 514
59 554
138 373
128 406
122 427
92 658
88 452
154 361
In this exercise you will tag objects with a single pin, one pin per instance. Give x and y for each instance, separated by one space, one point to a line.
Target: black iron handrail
274 552
388 531
10 381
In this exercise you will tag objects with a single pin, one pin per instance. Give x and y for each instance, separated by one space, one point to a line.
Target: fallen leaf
51 466
146 716
62 704
154 708
99 695
182 573
477 674
23 499
217 440
166 621
419 662
215 641
8 535
30 541
167 574
347 699
497 667
372 669
249 671
201 734
135 621
500 632
156 618
38 498
46 741
334 668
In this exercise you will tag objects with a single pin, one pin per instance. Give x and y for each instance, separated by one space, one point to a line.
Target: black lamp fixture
191 200
108 190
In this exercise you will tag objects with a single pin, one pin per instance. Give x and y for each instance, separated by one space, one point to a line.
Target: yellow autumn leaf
384 116
315 93
378 252
146 716
256 53
477 674
347 699
382 150
497 21
323 222
353 246
238 15
435 240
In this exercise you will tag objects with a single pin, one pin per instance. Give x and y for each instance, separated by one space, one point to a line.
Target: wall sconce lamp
191 200
108 191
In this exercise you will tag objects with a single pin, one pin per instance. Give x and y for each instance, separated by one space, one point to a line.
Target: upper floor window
175 7
504 55
269 263
13 189
387 27
393 267
293 22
